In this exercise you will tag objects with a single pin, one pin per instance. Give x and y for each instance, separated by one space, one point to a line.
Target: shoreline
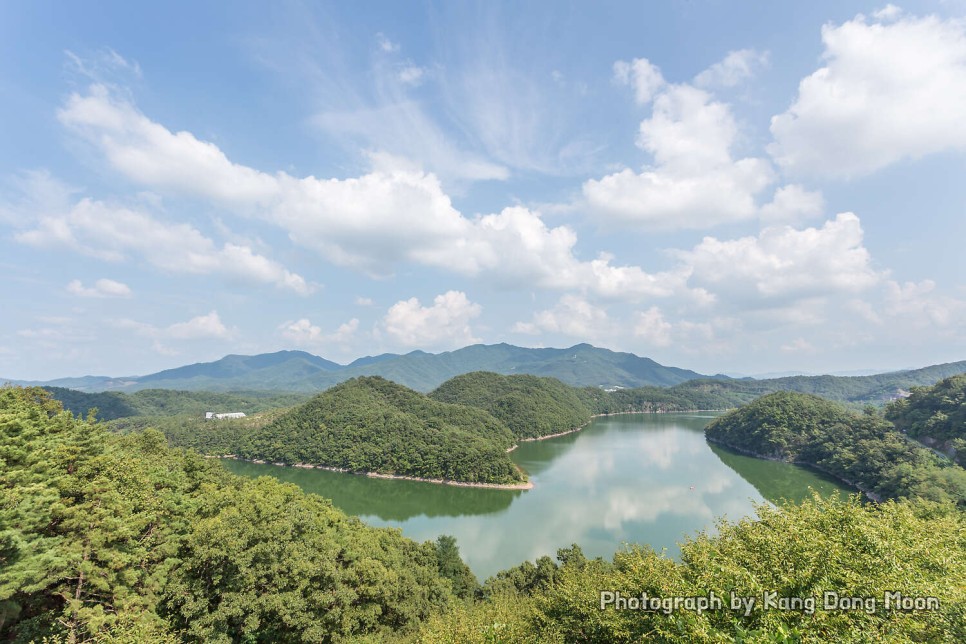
525 485
872 496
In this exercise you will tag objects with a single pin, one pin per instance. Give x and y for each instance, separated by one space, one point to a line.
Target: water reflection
636 478
385 499
779 482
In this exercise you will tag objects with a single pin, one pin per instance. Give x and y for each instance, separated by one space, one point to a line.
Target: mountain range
579 365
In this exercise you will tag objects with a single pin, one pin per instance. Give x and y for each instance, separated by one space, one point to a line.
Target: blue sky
729 187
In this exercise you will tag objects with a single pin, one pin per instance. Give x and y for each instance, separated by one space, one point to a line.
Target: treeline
112 405
120 538
529 405
863 450
372 425
935 416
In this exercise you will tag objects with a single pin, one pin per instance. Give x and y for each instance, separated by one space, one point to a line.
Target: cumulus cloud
114 233
792 203
783 262
695 181
652 327
394 214
919 301
571 316
101 288
735 68
892 88
202 327
640 74
303 333
446 323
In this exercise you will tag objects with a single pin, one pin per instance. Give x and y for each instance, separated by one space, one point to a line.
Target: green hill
120 539
373 425
529 405
112 405
580 365
863 450
935 416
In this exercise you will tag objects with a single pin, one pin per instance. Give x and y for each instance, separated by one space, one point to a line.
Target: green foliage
935 415
863 450
166 402
846 547
451 566
530 406
120 538
373 425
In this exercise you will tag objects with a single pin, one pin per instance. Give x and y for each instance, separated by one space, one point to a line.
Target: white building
210 415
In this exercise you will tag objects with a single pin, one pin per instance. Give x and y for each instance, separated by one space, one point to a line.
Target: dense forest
169 402
529 405
935 416
864 450
372 425
120 538
107 537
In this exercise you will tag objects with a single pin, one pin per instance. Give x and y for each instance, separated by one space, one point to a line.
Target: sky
729 187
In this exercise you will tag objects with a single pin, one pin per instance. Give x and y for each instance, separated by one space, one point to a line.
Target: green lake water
642 478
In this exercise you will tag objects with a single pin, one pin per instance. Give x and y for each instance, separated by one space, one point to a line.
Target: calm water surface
643 478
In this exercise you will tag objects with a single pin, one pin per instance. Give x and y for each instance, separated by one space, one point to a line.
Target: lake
641 478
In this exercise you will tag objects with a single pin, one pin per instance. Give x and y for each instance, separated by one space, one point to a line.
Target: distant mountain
294 371
581 365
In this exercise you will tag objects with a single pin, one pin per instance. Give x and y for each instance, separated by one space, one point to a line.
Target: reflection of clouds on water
635 505
662 448
586 468
622 480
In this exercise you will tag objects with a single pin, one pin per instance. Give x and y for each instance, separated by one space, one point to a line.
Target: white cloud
385 44
736 67
103 65
303 333
798 345
364 301
891 89
444 324
642 75
572 316
394 214
151 154
202 327
783 262
919 301
888 12
113 233
695 181
652 327
101 288
792 203
411 75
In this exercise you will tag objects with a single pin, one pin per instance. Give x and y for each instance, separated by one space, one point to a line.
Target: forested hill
935 416
863 450
111 405
373 425
107 538
529 405
580 365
